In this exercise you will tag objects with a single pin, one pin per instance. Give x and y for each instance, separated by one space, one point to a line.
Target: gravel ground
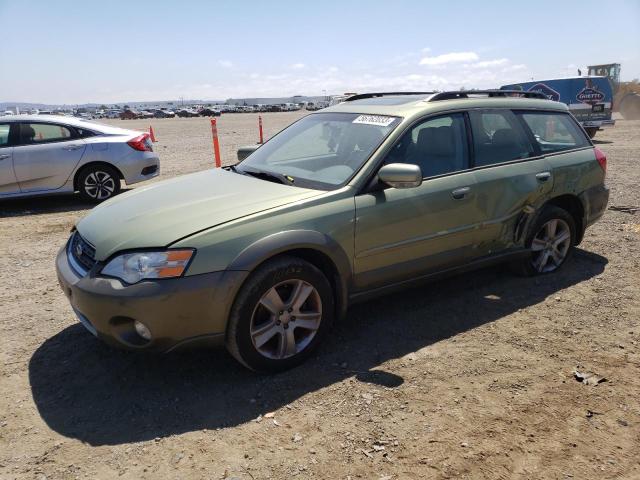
470 377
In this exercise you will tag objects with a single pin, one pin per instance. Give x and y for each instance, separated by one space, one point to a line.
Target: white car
46 154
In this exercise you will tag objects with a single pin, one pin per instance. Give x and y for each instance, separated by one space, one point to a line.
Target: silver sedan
45 154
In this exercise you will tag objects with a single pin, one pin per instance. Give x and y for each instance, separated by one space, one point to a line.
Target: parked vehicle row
374 194
46 154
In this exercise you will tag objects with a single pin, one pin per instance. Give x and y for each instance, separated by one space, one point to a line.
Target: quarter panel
575 172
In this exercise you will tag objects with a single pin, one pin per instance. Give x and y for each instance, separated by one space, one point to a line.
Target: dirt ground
470 377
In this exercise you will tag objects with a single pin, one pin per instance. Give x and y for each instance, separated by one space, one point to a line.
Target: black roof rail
489 93
362 96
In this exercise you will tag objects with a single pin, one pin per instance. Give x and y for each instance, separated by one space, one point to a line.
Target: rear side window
554 131
4 134
498 137
84 133
35 133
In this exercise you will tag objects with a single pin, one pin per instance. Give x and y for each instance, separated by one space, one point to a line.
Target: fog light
142 330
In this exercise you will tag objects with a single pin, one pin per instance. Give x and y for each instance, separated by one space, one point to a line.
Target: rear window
554 132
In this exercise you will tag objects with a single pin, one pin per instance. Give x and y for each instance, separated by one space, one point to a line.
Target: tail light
602 159
142 143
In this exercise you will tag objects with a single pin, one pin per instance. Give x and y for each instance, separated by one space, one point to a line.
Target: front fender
281 242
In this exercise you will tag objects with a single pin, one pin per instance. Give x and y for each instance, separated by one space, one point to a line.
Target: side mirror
244 152
401 175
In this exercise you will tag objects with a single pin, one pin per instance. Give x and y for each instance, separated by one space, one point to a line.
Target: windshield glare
322 150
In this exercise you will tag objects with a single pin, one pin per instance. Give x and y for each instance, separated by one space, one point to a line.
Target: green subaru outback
379 192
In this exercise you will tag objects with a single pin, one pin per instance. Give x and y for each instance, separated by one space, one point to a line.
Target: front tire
98 183
280 315
550 242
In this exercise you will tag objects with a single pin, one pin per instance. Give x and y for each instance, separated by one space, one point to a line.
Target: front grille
82 252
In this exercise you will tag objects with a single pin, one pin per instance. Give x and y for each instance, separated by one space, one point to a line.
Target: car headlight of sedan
136 266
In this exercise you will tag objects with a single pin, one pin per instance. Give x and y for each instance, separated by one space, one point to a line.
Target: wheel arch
82 168
575 207
314 247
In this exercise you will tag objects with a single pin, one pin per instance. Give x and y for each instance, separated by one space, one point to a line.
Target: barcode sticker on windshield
377 120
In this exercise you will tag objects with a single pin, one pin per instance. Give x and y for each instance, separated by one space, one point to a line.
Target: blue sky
115 51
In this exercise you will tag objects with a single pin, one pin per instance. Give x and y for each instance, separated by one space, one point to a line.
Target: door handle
4 155
543 176
73 147
460 193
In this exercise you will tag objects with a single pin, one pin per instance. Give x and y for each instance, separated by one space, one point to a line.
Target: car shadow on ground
98 395
69 202
20 207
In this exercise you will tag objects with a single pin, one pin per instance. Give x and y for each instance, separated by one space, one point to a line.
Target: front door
45 155
403 233
8 183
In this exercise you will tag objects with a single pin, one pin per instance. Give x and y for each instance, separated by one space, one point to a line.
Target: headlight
133 267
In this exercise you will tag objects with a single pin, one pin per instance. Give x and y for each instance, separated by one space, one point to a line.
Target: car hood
159 214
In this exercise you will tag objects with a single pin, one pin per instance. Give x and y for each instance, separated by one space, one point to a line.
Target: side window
437 146
4 134
498 137
554 131
36 133
84 133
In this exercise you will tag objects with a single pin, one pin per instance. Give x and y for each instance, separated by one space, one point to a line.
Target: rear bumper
178 312
139 169
598 123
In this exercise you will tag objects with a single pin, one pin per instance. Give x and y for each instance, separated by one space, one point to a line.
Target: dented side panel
506 195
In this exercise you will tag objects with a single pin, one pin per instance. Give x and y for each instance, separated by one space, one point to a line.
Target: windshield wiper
270 177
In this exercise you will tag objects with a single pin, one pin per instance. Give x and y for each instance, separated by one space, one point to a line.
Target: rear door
510 172
8 182
45 155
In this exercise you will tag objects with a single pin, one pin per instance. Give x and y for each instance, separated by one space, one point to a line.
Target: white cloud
490 63
426 50
332 69
453 57
297 66
225 63
515 68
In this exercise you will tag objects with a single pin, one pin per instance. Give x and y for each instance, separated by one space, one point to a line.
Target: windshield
322 150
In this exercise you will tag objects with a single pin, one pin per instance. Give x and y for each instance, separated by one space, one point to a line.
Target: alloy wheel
550 245
99 185
286 319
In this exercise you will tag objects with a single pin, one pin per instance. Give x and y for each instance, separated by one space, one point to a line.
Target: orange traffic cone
151 134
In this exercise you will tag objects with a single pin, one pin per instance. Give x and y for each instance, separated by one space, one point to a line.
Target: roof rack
489 93
362 96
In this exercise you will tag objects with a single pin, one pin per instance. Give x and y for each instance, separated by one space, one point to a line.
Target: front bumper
186 311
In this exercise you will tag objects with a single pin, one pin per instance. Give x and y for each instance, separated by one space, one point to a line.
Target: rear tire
591 132
98 183
280 316
550 242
